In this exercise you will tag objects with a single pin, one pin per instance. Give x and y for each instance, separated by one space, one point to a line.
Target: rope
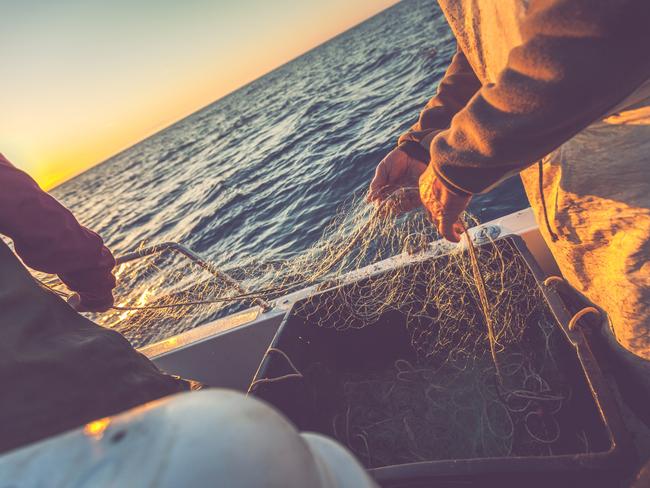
485 304
235 298
540 173
261 381
180 304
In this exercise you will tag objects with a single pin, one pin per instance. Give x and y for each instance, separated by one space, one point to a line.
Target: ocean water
261 171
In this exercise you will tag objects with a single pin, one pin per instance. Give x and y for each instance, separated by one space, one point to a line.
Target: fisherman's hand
83 303
444 206
397 171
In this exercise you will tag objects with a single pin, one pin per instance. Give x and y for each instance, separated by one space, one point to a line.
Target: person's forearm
48 238
578 60
454 91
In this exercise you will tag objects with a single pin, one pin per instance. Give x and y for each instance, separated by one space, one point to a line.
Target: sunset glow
84 80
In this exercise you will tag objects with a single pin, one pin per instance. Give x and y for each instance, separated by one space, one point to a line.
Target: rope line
296 374
485 304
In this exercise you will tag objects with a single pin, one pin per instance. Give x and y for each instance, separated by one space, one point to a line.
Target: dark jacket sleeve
454 91
579 59
48 238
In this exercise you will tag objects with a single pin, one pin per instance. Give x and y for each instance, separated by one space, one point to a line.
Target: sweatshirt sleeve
454 91
578 60
48 238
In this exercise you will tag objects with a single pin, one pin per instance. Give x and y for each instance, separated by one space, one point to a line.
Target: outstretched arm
454 91
404 165
48 238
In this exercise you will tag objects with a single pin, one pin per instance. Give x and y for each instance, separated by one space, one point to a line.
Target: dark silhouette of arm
48 238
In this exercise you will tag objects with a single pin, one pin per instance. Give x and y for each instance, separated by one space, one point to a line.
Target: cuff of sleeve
415 150
418 151
472 179
462 180
452 187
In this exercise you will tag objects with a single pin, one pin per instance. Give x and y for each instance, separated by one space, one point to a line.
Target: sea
261 172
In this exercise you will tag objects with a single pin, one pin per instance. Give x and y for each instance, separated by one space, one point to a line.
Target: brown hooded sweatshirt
565 83
578 60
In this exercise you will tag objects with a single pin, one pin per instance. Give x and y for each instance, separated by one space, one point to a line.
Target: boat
162 444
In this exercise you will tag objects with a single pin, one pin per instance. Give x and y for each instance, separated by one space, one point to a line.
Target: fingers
391 173
444 206
378 183
450 228
74 301
459 228
448 225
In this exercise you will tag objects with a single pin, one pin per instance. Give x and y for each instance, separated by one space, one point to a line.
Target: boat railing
198 260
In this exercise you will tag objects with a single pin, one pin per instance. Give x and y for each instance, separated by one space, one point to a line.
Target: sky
84 79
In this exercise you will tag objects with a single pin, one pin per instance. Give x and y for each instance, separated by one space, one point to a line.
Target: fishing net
480 378
432 382
166 292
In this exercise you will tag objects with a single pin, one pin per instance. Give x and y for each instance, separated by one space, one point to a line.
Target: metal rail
207 265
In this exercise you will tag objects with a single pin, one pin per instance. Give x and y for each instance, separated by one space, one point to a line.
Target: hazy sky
82 80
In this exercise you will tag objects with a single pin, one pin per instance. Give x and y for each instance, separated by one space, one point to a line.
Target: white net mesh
475 377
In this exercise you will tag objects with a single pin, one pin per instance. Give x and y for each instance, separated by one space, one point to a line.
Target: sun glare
96 428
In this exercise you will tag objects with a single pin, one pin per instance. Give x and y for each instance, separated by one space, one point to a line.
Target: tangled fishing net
165 293
482 379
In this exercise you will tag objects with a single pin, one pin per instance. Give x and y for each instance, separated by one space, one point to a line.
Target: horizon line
222 97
